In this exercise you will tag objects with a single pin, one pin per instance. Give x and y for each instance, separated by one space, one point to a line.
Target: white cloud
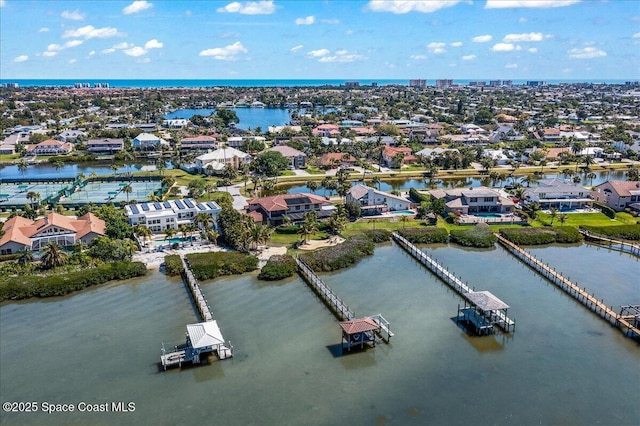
296 48
72 43
20 58
231 52
586 53
73 61
418 57
636 35
107 51
514 38
137 6
264 7
49 54
2 3
468 57
406 6
533 50
522 20
89 31
135 51
53 48
309 20
318 53
74 16
436 47
482 38
504 4
456 44
93 52
153 44
123 45
511 66
505 47
43 30
342 56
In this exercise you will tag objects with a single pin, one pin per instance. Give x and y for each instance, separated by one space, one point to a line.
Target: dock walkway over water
580 294
335 304
494 312
613 243
201 338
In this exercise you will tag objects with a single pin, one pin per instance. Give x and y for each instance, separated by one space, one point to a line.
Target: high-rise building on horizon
418 83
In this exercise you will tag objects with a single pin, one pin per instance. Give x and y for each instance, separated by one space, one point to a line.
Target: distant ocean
259 83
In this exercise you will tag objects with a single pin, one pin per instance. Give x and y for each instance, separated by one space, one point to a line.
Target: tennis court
16 194
111 192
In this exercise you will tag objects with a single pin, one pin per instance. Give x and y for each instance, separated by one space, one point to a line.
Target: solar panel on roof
179 204
145 207
167 204
211 205
202 206
189 203
158 206
134 209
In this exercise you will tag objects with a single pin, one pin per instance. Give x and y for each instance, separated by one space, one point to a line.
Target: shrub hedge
608 211
474 237
378 235
173 265
425 236
23 287
626 232
418 197
277 268
537 236
341 256
215 264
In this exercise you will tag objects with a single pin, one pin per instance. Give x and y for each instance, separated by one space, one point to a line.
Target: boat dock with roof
483 310
355 331
202 338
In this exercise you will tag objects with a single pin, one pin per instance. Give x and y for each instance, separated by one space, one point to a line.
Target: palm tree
143 232
114 169
184 229
169 233
309 226
212 236
25 256
313 185
404 219
127 189
22 166
563 218
130 247
591 176
52 256
553 212
33 197
203 220
376 181
58 164
161 166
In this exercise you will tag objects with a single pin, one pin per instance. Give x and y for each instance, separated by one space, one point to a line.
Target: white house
558 194
176 123
148 141
215 161
159 216
373 201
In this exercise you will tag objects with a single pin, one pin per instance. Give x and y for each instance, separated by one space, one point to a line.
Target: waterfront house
327 130
391 156
105 146
273 209
296 158
558 194
50 147
159 216
335 159
148 141
21 233
72 135
215 161
176 123
434 152
199 143
373 201
617 194
474 200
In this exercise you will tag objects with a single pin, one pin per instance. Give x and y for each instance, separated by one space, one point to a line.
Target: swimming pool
403 212
490 215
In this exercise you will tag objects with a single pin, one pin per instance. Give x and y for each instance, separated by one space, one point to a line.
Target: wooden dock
202 338
337 305
612 243
580 294
496 317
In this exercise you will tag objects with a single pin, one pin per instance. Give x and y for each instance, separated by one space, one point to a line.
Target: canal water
45 170
249 118
563 365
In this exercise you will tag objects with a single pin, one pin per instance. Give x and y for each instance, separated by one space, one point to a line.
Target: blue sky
588 40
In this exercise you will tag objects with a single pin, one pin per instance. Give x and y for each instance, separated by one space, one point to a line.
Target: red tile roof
279 202
359 325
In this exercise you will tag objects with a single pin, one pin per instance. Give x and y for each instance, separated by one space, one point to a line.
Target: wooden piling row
613 243
580 294
201 304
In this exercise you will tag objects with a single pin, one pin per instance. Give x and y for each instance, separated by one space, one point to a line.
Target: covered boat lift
485 311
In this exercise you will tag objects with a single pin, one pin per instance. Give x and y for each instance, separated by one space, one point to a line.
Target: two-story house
373 201
215 162
296 158
273 209
617 194
50 147
472 201
159 216
558 194
105 146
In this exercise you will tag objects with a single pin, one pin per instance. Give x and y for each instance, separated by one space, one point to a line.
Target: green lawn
289 240
9 157
586 219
